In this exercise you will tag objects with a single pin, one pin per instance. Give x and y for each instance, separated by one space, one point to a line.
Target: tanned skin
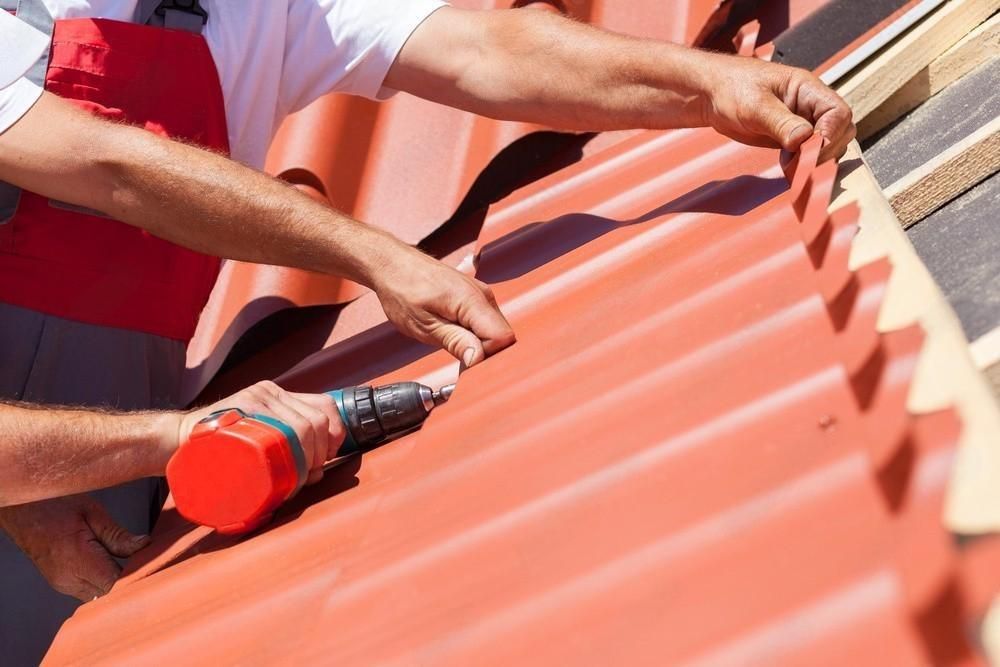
534 66
523 65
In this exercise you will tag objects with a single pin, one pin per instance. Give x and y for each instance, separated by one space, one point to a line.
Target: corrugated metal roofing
698 452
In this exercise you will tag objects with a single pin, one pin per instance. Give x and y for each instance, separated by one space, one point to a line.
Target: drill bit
443 394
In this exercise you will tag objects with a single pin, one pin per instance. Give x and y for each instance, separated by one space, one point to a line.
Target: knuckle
268 387
321 422
338 430
301 425
256 394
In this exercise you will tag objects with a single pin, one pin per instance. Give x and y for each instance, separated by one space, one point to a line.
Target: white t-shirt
273 56
20 47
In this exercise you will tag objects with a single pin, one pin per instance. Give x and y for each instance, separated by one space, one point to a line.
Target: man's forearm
208 203
47 452
192 197
536 67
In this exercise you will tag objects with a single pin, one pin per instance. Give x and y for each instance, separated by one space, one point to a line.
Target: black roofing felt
938 124
819 36
960 245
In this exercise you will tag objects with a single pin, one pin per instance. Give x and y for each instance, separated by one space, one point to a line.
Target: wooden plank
986 349
875 81
975 49
946 176
945 375
986 354
954 114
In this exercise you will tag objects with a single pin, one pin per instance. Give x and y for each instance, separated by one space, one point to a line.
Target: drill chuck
373 415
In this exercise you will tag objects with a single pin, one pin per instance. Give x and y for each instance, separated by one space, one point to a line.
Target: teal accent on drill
299 454
350 445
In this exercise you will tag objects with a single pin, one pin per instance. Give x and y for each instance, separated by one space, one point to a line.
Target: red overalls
86 268
92 311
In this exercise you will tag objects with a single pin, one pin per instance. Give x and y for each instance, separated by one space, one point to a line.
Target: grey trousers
49 360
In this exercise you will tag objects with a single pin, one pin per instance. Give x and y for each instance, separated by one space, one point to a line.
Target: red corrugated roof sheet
698 452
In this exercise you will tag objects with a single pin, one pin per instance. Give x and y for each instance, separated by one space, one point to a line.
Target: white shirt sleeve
15 100
20 47
345 46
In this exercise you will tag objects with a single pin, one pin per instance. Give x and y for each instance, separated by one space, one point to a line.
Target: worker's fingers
336 431
79 588
101 573
829 113
838 133
438 305
773 118
276 404
480 316
319 423
487 292
94 562
114 538
85 591
460 342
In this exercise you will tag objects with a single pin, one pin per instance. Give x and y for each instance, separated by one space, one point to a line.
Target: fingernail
140 539
470 354
801 132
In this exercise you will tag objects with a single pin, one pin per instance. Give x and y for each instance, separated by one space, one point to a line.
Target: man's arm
538 67
49 452
54 452
208 203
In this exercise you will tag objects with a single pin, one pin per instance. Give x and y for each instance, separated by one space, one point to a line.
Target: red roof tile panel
691 455
698 452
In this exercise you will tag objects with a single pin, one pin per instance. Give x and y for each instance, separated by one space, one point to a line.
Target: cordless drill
236 469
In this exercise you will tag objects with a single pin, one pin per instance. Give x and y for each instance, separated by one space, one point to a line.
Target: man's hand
314 418
47 452
43 452
438 305
765 104
72 542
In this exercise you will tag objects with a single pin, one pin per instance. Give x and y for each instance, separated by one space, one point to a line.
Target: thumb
783 126
118 541
460 343
483 318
